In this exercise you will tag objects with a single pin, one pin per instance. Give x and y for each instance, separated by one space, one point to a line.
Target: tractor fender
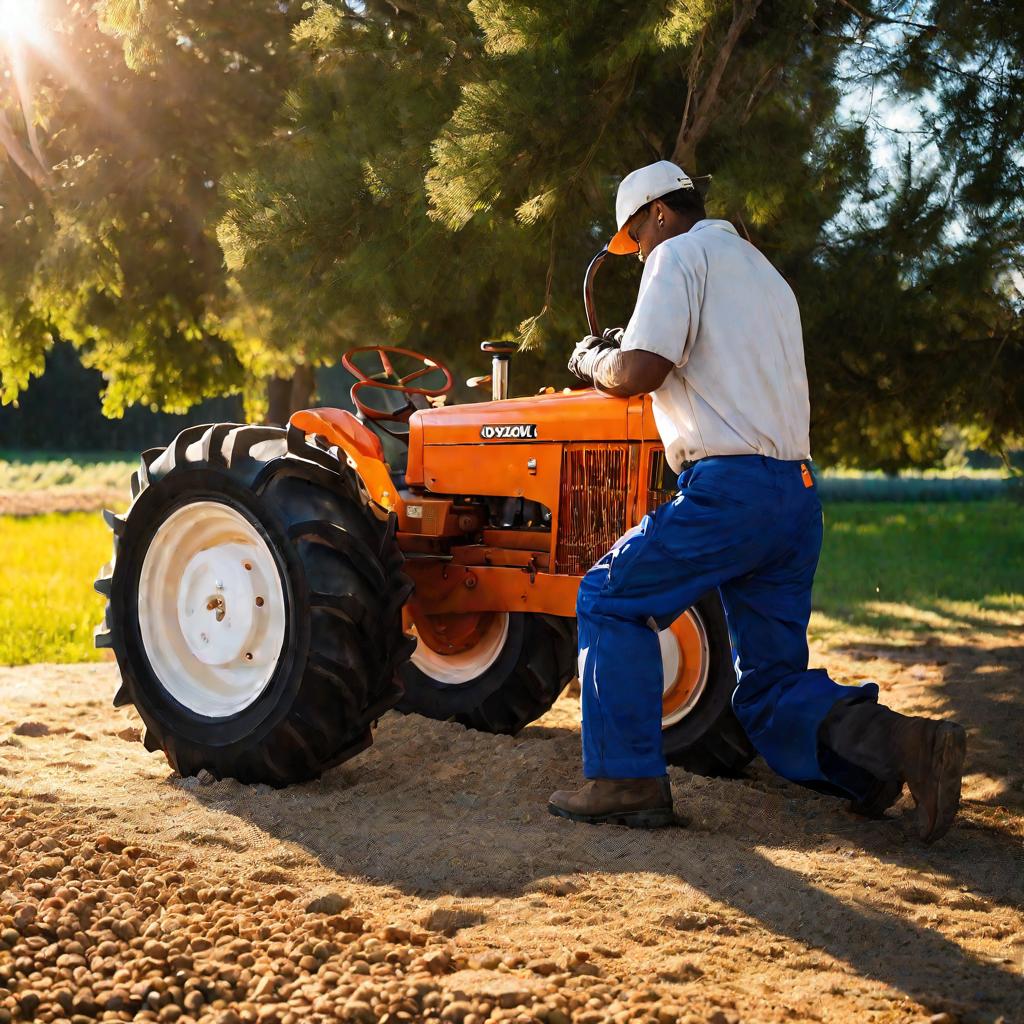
361 445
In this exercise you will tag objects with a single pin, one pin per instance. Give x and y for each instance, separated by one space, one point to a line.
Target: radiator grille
592 504
662 483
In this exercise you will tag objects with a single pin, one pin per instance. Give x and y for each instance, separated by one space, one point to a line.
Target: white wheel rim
465 666
211 609
670 659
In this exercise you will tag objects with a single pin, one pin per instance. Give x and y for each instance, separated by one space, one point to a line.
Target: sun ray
21 21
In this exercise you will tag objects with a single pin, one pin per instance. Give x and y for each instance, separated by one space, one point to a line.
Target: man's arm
635 372
599 361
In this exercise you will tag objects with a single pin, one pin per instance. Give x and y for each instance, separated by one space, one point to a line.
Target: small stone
457 1012
32 729
721 1017
942 1018
542 967
328 903
690 922
29 1003
437 963
513 998
133 735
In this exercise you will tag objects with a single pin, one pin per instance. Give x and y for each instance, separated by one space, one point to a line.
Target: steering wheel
389 380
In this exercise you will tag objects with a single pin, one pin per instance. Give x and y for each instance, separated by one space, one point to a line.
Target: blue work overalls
750 526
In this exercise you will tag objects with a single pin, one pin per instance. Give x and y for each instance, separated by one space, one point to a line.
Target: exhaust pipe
501 355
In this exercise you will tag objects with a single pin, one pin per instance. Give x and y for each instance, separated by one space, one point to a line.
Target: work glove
589 353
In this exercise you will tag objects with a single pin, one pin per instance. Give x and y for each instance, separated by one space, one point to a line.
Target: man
715 338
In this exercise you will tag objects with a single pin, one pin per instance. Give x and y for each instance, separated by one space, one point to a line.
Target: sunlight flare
21 20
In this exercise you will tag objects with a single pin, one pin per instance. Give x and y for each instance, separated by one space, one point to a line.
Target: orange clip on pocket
806 474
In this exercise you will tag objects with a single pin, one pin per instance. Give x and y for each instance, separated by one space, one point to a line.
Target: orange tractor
274 591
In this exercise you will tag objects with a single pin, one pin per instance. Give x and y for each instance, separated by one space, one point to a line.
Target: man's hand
588 354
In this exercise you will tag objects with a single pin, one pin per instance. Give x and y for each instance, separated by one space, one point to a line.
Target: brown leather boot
927 753
637 803
879 800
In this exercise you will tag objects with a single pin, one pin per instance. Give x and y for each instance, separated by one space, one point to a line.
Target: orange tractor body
593 461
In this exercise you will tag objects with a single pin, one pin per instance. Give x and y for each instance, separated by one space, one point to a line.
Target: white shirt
712 303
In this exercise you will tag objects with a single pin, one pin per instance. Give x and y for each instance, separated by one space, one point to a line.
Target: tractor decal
509 431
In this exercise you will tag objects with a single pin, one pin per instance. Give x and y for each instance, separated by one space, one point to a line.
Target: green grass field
941 566
47 605
883 567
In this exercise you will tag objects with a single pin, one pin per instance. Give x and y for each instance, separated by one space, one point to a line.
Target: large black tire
343 592
710 739
537 662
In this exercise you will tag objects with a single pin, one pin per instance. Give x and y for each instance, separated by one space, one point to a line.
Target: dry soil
448 892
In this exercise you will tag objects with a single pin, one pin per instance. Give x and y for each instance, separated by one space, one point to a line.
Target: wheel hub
217 602
684 660
458 649
211 608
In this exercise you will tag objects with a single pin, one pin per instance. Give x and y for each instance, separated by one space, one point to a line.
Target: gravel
93 929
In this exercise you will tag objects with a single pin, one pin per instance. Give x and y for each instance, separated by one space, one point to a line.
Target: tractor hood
560 416
455 448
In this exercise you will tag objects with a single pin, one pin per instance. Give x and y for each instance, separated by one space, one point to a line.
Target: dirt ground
774 904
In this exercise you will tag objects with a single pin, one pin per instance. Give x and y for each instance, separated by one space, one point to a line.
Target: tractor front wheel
493 671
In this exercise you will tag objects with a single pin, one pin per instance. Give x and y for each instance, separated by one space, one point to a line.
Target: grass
883 567
951 565
48 608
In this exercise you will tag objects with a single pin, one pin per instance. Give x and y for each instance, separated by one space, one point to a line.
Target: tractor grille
662 484
591 505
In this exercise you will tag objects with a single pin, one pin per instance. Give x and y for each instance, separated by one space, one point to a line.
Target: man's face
653 224
639 230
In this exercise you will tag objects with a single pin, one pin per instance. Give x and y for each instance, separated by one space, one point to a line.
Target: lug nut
247 566
259 602
248 655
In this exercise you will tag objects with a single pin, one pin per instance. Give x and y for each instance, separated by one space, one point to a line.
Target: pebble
329 903
128 934
32 729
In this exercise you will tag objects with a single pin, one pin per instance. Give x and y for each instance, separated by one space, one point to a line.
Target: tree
110 193
908 275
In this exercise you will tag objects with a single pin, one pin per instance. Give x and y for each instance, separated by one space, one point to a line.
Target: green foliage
73 472
108 242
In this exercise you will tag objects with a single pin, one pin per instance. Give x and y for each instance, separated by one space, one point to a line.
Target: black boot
927 754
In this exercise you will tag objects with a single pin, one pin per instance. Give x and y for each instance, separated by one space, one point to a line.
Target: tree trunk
286 395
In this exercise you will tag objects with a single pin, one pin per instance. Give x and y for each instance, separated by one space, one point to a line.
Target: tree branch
883 19
691 132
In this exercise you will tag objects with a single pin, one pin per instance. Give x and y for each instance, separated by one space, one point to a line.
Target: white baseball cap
637 189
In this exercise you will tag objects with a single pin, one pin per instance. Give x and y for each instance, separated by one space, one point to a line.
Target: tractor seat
396 453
